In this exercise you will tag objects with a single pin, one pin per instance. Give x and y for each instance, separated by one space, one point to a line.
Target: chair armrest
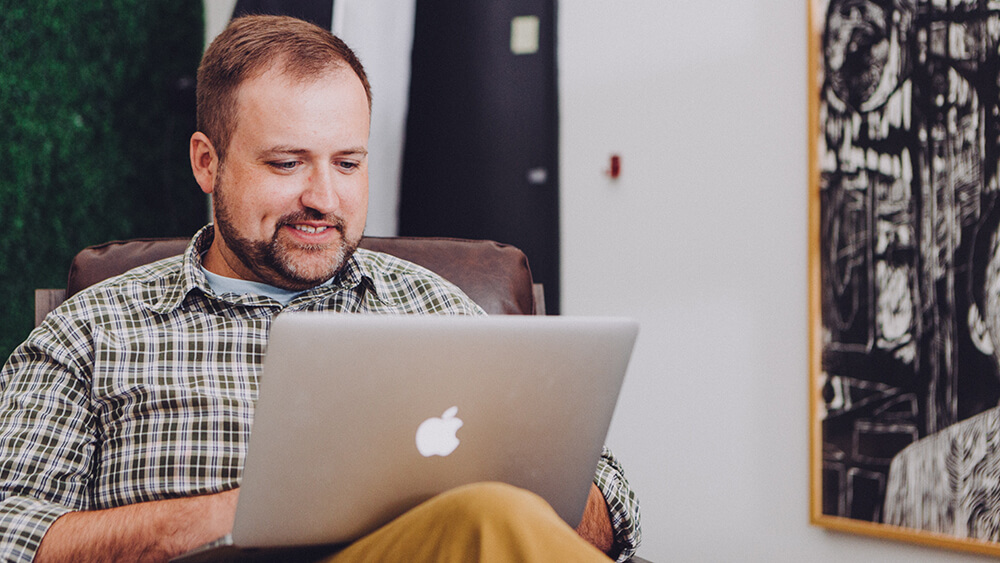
46 300
538 290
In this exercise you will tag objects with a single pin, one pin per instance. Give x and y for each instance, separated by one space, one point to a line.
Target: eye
284 165
347 166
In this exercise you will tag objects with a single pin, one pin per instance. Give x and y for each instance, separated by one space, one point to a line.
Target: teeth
308 229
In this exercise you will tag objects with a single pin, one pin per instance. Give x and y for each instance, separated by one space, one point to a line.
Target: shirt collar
191 276
359 270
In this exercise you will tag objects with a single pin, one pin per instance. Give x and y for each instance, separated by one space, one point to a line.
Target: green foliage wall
96 107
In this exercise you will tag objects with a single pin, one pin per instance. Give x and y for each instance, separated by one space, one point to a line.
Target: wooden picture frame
904 269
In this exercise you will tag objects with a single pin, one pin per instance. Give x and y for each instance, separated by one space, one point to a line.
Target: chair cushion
494 275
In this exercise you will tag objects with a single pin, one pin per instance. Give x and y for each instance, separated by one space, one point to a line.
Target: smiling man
125 416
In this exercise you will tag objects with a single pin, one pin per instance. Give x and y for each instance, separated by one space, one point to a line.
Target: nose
320 192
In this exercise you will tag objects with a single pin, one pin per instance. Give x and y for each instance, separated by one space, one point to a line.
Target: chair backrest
494 275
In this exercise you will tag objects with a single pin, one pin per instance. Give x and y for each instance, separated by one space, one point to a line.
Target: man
124 417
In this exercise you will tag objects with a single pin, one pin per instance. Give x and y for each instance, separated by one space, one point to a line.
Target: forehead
332 102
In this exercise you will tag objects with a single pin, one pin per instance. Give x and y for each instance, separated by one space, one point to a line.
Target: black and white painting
906 284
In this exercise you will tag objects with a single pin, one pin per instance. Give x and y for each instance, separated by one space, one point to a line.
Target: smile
308 229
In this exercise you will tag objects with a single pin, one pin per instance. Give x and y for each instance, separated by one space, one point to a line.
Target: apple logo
436 436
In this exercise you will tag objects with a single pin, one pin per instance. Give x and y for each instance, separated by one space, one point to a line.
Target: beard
279 262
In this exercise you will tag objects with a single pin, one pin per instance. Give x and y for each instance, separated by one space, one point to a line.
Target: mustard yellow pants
479 522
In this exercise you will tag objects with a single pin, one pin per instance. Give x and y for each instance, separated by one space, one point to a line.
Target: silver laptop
363 417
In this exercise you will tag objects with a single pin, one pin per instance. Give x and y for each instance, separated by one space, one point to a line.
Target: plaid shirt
142 388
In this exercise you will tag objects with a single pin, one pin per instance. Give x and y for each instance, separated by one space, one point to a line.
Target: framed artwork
904 268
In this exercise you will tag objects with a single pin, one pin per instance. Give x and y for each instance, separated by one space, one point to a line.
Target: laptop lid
362 417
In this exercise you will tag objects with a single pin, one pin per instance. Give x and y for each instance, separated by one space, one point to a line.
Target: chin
310 271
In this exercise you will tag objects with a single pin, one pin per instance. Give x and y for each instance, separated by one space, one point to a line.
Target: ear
204 161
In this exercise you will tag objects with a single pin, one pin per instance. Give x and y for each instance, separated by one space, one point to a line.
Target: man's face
291 196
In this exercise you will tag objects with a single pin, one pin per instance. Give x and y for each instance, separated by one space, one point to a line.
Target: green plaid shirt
142 388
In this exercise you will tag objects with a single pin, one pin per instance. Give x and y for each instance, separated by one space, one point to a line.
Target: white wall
217 14
703 239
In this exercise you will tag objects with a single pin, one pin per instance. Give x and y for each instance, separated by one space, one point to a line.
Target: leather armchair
494 275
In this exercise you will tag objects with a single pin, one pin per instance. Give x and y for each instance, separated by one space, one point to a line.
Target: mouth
313 233
309 228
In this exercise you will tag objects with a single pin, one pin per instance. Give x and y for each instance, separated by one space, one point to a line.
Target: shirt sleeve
622 505
45 448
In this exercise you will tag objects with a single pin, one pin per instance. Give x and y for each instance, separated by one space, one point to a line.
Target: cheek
266 196
357 196
255 215
354 208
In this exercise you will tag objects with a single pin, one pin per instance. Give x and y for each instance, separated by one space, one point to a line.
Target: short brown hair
247 48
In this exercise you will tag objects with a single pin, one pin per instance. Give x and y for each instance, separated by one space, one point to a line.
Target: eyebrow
280 150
